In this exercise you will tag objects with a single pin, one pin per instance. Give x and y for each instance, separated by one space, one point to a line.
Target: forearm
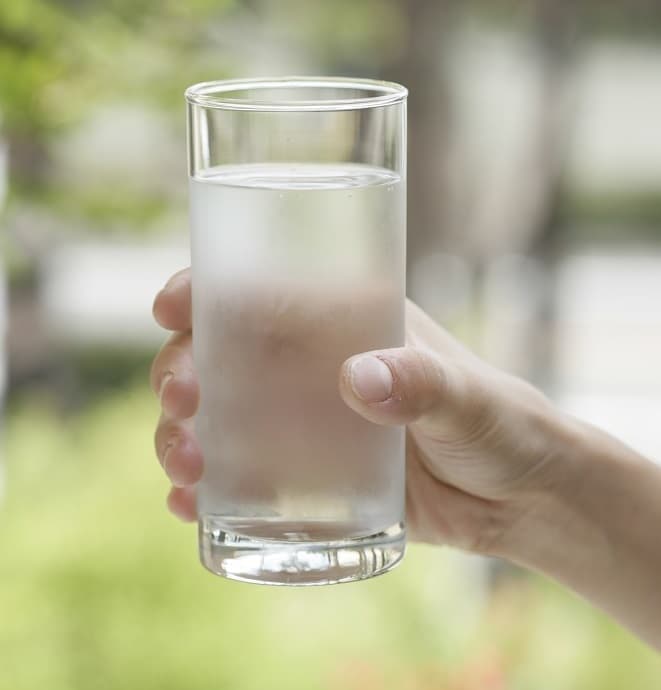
598 530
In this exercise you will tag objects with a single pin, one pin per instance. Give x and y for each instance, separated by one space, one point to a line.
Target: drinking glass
298 244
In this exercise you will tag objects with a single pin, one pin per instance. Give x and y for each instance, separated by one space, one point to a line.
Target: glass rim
209 94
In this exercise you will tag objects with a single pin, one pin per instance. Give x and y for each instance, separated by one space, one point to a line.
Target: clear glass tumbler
298 243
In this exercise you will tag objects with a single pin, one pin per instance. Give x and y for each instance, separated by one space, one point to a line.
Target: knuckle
476 399
427 380
476 411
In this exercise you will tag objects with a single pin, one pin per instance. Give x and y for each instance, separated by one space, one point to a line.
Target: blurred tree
556 36
422 68
61 60
59 57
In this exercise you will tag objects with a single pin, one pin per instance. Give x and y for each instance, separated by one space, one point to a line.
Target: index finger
172 305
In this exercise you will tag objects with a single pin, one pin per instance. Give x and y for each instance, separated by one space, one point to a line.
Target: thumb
399 386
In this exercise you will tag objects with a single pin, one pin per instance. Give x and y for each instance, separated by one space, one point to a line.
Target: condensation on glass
298 237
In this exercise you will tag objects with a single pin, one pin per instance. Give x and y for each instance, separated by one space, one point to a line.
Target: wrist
546 520
595 527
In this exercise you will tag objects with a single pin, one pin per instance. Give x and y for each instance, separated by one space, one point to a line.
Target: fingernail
371 379
169 446
166 456
167 377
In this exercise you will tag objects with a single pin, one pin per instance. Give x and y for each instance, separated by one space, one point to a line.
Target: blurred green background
535 235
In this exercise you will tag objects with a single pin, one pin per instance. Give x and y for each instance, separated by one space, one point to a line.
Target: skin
493 467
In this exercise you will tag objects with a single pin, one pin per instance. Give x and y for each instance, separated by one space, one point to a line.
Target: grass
101 589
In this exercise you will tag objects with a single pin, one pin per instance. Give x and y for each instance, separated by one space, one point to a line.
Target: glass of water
298 244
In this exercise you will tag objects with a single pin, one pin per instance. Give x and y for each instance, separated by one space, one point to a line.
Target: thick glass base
298 561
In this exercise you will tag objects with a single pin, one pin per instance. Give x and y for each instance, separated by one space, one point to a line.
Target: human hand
479 441
492 466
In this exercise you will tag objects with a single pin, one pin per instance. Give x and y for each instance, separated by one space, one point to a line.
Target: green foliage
31 58
108 206
58 57
101 589
61 61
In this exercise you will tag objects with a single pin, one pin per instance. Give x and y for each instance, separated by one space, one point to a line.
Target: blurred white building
101 294
608 344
